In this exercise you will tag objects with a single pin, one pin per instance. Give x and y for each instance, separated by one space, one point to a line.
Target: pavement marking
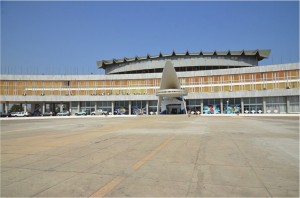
108 187
37 128
117 180
141 162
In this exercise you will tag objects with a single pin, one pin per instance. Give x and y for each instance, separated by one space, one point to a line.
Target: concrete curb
66 117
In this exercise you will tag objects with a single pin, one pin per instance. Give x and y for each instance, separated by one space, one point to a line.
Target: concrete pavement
157 156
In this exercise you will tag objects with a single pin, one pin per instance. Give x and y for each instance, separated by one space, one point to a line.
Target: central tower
170 94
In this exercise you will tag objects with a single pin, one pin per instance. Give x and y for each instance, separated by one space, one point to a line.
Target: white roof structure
169 85
259 54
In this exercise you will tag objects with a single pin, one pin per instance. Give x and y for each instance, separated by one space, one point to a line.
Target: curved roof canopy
260 54
169 85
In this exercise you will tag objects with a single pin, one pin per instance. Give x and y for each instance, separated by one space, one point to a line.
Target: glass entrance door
173 109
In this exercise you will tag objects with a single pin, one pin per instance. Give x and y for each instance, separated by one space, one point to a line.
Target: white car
99 112
64 113
20 114
14 114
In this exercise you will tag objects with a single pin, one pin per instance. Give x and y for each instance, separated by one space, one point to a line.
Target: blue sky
69 37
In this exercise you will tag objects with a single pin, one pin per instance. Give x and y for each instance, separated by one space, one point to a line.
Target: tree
16 108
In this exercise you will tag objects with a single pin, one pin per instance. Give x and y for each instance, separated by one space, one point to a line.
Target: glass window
153 103
231 105
121 107
294 104
252 101
152 107
211 106
276 105
294 99
237 101
138 107
104 105
74 104
259 100
246 100
194 105
253 105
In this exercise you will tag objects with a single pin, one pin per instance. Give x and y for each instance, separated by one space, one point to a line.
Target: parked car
20 114
27 114
5 114
99 112
14 114
64 113
50 113
80 113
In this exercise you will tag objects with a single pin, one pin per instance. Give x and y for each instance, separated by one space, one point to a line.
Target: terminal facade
214 82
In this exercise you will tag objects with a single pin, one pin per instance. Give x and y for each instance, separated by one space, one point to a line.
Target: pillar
242 105
264 105
61 107
147 107
6 107
287 104
158 105
129 108
78 106
221 106
112 107
43 108
184 104
25 107
3 107
201 108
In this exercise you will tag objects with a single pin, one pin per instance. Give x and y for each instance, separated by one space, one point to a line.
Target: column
43 108
112 107
3 107
78 106
53 109
158 105
221 105
264 105
61 107
201 102
287 104
242 105
147 107
25 107
70 107
184 104
129 108
6 107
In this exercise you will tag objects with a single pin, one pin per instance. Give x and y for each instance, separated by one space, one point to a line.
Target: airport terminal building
213 82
